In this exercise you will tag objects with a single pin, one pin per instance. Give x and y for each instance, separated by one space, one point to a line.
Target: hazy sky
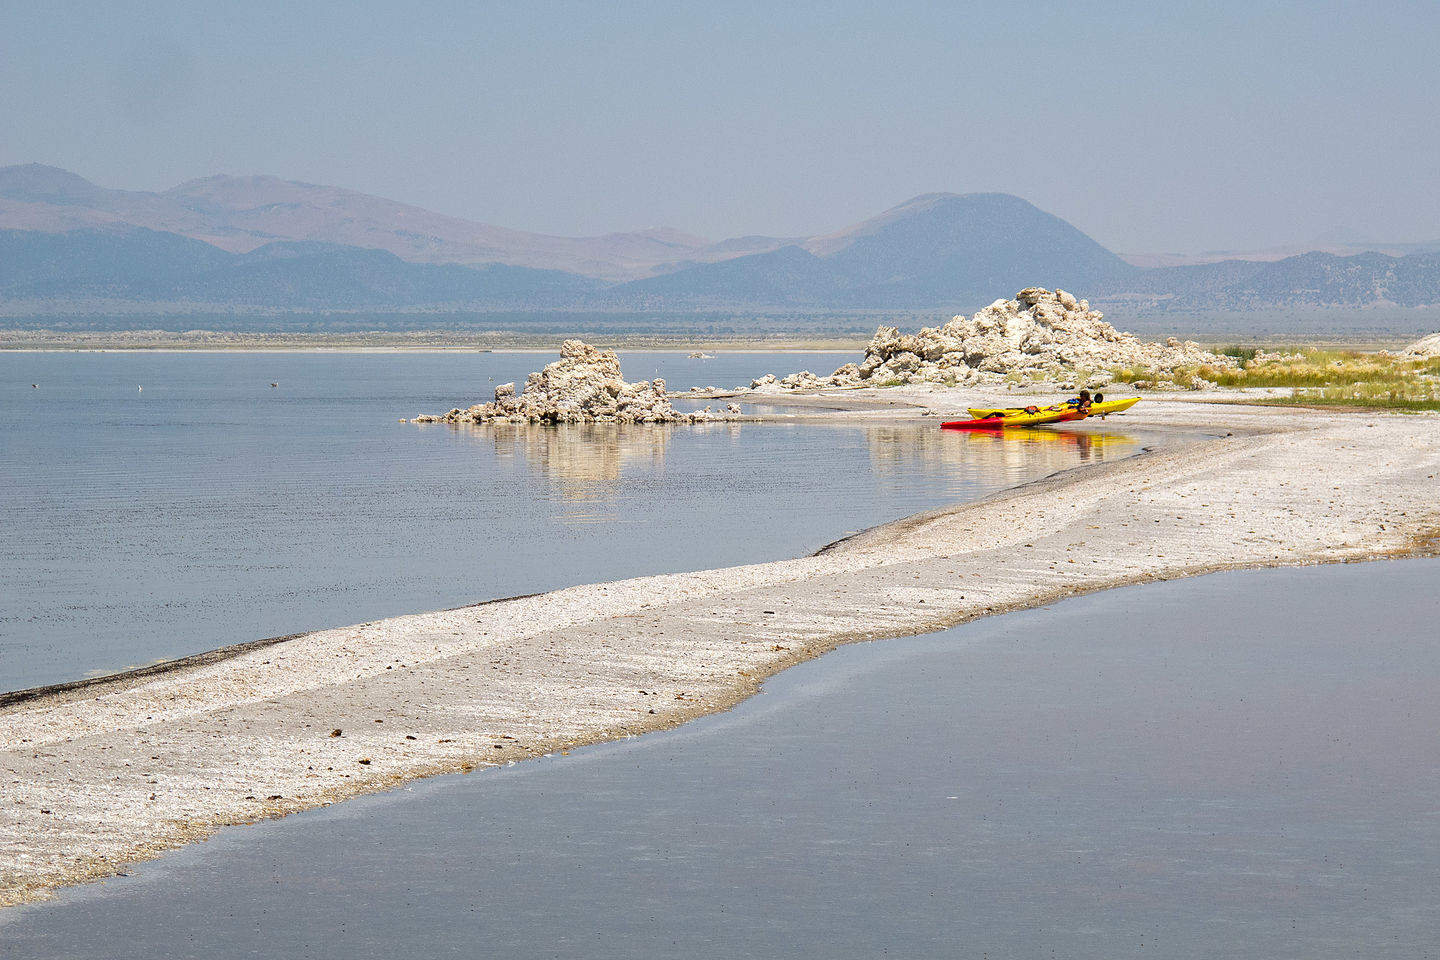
1151 126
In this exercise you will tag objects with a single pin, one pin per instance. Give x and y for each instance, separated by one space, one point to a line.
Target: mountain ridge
265 243
241 213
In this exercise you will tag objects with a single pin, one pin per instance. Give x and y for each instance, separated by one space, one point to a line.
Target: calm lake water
154 505
1238 765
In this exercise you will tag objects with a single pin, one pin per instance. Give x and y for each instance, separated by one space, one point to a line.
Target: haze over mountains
241 214
254 244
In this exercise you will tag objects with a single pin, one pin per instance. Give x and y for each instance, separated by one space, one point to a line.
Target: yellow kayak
1021 416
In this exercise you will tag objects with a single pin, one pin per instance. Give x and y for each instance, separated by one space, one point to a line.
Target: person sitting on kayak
1080 403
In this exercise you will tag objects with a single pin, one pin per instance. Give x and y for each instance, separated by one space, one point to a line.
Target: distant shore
203 341
120 771
209 341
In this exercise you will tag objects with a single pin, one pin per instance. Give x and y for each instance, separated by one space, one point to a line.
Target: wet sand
113 772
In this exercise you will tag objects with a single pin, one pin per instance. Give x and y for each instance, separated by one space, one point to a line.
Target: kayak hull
999 418
1096 409
1021 420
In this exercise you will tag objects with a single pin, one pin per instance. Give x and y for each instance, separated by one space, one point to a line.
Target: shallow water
211 508
1234 765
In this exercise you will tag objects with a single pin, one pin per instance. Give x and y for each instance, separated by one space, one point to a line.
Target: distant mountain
260 243
961 252
935 250
1306 281
146 266
1273 254
38 184
239 214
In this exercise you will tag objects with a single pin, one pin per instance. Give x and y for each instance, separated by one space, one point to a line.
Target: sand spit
108 774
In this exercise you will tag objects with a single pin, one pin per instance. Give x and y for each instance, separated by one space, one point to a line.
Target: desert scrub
1348 378
1131 374
1315 369
1416 395
1243 354
1337 377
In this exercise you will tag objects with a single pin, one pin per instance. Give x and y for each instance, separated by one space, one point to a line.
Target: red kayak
999 422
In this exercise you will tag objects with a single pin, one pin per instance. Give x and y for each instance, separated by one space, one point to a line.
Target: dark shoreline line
218 655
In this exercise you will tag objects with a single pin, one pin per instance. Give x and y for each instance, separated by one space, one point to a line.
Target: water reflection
586 464
584 460
582 463
1016 454
595 472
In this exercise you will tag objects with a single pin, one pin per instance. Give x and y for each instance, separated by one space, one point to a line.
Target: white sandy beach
114 772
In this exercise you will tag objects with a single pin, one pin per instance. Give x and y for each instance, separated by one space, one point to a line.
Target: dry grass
1332 377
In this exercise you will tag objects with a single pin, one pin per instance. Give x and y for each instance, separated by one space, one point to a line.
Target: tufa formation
583 386
1039 335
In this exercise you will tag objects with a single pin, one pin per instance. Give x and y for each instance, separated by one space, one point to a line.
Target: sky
1152 127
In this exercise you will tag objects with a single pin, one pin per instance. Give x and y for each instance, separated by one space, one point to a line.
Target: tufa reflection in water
1015 454
587 464
597 470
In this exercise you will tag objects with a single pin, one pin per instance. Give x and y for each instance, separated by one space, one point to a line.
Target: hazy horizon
1154 130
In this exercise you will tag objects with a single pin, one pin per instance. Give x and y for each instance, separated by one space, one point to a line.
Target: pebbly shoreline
106 774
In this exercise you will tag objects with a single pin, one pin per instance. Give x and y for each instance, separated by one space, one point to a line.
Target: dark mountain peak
973 201
940 217
936 250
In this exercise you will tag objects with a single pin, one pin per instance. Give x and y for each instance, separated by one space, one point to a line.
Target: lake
155 505
1237 765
